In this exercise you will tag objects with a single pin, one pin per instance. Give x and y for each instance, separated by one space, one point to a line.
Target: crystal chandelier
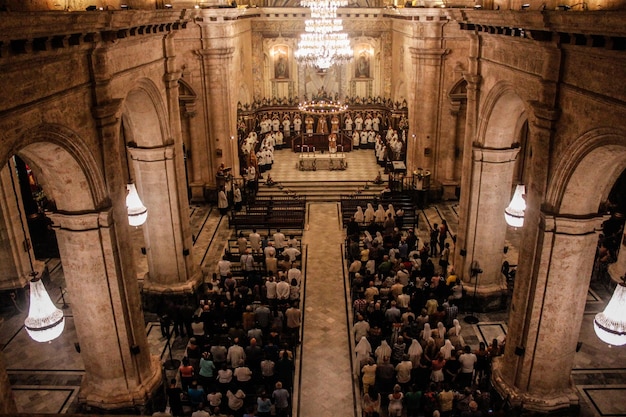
323 107
137 212
514 213
45 322
610 325
323 43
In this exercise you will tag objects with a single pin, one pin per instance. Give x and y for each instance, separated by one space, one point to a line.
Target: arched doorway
557 255
156 165
105 299
482 229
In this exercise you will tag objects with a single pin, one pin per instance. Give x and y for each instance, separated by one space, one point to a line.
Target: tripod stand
171 363
474 272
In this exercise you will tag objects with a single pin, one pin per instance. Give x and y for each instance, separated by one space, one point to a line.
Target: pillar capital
82 221
492 155
216 53
161 153
571 225
432 56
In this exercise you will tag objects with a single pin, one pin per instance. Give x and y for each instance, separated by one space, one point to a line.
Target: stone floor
46 377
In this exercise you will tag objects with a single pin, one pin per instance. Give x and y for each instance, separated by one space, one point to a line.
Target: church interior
210 116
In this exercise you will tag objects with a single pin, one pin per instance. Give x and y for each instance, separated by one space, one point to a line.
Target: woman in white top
380 214
370 214
359 216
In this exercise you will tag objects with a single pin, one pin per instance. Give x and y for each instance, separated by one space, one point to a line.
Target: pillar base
154 295
95 396
449 190
551 402
488 298
197 192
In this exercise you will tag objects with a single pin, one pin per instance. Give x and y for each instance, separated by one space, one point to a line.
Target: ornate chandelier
514 213
323 107
323 43
610 325
137 212
45 322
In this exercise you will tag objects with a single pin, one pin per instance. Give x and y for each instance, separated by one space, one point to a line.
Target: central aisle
326 374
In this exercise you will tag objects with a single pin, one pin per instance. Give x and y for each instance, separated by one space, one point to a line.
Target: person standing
293 322
281 400
237 199
468 362
222 201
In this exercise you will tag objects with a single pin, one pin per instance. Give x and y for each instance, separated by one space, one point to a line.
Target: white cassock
376 124
363 137
348 123
279 138
371 136
355 139
358 123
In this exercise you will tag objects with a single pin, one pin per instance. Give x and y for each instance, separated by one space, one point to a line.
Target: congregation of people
239 359
411 357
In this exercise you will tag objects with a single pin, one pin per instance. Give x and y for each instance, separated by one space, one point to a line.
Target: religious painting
281 64
362 66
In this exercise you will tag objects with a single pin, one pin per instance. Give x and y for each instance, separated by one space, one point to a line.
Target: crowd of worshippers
411 355
239 358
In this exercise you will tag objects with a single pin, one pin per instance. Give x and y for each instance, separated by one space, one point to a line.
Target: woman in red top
436 374
186 374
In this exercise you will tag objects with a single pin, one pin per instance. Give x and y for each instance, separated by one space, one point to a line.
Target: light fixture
137 212
322 107
478 6
323 43
610 325
525 6
45 322
514 213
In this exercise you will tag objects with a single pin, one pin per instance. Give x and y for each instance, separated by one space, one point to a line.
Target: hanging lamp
610 325
45 322
514 213
137 212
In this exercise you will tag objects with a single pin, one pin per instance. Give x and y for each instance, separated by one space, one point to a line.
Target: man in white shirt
282 290
294 273
269 250
224 267
270 291
467 360
247 263
255 241
292 252
279 241
235 354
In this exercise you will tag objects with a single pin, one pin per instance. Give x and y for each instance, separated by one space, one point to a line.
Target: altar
312 161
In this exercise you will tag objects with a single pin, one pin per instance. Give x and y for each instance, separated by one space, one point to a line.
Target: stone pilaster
537 376
14 237
490 193
167 236
424 108
120 373
473 89
217 63
7 405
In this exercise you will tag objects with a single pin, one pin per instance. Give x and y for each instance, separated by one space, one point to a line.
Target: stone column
490 193
424 117
545 321
167 236
471 121
119 370
7 405
14 236
217 63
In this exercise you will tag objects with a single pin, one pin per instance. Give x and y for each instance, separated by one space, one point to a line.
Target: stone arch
578 187
501 117
144 116
69 171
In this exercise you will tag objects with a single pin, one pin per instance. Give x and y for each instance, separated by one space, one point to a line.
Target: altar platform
312 161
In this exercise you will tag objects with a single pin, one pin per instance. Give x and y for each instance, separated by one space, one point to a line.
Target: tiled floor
46 377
